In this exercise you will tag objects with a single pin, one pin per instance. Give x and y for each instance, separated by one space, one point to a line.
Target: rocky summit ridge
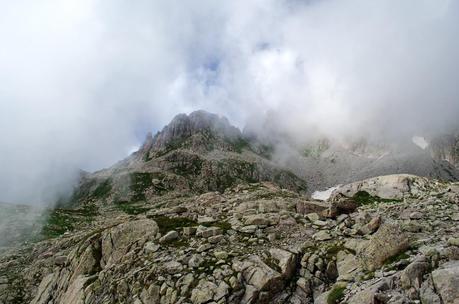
202 152
201 215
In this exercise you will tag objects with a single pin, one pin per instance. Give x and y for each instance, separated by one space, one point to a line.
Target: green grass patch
240 144
287 177
397 258
266 151
364 198
232 171
139 182
333 249
131 208
61 220
307 152
147 157
103 189
336 295
191 168
368 275
87 190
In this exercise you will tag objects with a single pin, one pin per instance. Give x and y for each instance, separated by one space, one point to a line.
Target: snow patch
324 195
420 141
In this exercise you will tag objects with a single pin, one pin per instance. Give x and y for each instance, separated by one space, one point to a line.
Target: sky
83 81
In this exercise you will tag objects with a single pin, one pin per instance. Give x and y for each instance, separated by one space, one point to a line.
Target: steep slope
203 152
446 148
326 165
195 153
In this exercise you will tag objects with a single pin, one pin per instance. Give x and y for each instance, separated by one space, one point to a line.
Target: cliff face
446 147
182 127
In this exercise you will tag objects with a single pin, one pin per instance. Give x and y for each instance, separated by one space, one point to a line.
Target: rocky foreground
391 239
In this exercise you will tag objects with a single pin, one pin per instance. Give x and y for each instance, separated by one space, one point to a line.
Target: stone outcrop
446 282
117 240
395 186
259 275
446 147
387 242
200 126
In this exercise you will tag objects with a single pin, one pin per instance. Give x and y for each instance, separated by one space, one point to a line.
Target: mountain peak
203 125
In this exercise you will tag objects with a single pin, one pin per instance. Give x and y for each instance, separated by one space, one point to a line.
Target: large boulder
387 242
305 207
285 260
116 241
256 273
75 292
341 204
261 219
204 292
45 289
395 186
427 294
446 282
347 265
412 275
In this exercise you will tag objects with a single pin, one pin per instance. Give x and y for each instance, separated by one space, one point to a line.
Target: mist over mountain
203 213
229 152
84 81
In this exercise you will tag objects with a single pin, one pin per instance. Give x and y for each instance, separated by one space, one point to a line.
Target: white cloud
81 81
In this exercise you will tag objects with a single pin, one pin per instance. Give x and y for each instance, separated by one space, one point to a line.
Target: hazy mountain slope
327 166
195 153
204 152
19 223
446 147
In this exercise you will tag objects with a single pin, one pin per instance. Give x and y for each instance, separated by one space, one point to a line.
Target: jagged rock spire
147 144
184 126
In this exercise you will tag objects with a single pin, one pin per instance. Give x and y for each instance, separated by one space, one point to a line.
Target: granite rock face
202 123
390 240
446 147
446 282
395 186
